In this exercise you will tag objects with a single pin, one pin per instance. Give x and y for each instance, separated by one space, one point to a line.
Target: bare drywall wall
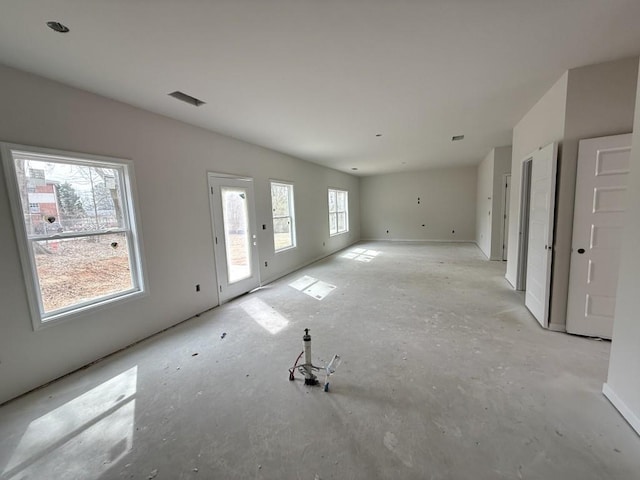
484 203
622 386
501 166
600 102
541 125
171 160
436 205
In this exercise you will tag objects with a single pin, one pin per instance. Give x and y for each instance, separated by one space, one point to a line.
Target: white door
541 212
505 215
598 219
234 235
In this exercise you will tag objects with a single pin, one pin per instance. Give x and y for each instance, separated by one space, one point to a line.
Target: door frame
219 259
523 227
506 194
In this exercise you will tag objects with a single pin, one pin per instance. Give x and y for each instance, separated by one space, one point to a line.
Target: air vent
58 27
457 138
186 98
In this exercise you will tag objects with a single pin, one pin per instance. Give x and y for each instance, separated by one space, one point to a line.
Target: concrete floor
445 375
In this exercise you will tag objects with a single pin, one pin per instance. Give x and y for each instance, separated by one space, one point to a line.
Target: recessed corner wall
446 210
501 166
489 201
484 204
171 160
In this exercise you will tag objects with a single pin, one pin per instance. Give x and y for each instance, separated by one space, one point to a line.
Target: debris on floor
224 334
194 354
153 474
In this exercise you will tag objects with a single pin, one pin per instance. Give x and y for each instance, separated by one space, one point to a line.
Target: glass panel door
235 243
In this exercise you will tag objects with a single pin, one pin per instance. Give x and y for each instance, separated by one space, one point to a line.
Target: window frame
291 194
338 191
130 228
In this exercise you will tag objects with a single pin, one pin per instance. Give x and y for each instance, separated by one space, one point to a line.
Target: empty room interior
320 239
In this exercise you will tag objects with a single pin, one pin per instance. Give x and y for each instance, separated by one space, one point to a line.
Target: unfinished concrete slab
444 375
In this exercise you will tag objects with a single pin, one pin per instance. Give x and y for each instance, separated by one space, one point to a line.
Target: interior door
234 235
540 245
598 219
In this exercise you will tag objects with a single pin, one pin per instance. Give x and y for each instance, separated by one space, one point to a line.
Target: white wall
541 125
171 160
489 200
484 203
623 387
447 204
501 166
600 102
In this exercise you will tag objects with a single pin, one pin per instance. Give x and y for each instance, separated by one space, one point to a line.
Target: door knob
581 251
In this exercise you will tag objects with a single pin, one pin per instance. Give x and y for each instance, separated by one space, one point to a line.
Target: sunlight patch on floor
264 315
313 287
82 438
361 255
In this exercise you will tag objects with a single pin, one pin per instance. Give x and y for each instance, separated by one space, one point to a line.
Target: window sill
286 249
85 310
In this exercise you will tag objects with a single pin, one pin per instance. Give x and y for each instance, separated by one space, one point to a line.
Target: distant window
338 211
284 232
75 223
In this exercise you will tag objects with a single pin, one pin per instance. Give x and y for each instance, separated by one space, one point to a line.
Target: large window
338 211
74 218
284 232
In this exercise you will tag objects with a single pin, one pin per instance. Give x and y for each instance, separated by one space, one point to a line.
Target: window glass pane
280 200
282 233
75 270
342 201
283 221
65 197
342 222
332 201
332 223
235 216
338 211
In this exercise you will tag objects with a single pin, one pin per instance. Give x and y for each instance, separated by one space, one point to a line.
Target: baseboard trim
413 240
631 418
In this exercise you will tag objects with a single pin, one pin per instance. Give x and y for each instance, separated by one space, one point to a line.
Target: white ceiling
318 79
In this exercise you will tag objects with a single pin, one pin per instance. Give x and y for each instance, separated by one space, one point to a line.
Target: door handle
581 251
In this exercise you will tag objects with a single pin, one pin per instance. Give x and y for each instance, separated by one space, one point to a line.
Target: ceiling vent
187 98
58 27
457 138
